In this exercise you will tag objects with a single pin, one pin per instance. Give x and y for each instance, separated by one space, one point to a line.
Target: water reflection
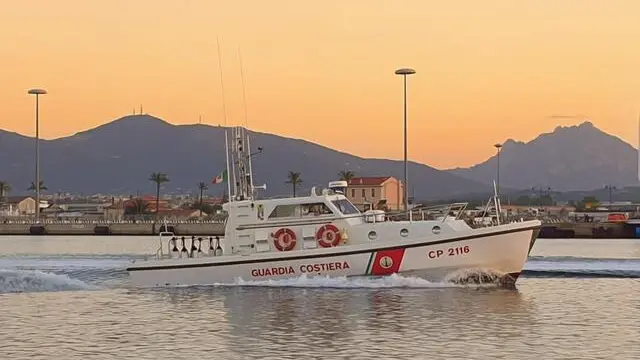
545 318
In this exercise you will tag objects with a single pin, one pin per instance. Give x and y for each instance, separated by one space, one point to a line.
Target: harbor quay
589 230
124 228
550 229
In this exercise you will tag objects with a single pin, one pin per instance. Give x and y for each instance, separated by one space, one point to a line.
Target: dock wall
549 230
122 229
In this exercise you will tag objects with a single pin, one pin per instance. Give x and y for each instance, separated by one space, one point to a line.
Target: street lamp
37 93
404 72
611 188
498 148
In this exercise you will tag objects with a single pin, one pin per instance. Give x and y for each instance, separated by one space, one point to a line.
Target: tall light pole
404 72
498 148
611 188
37 93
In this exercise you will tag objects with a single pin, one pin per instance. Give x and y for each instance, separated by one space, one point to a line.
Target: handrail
296 221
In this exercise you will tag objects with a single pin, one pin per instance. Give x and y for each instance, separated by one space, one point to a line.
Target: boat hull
502 250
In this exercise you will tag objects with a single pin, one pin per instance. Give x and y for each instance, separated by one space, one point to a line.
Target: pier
123 228
550 229
589 230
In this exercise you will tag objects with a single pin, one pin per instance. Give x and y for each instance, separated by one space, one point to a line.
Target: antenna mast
249 175
231 174
224 105
241 153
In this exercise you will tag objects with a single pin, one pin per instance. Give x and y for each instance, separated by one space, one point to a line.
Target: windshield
345 207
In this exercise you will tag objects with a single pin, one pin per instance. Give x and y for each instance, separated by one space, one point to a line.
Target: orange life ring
284 239
328 236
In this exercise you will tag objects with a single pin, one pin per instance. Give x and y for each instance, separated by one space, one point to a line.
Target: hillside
569 158
119 156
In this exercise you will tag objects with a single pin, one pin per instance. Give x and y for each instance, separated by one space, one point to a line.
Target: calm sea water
69 298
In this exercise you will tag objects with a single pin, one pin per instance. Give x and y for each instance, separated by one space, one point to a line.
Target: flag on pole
222 177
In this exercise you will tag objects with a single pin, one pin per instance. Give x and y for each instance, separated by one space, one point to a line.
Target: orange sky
486 70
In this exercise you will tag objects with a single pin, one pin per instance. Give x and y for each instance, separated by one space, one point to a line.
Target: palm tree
346 175
5 187
294 180
33 186
158 178
203 187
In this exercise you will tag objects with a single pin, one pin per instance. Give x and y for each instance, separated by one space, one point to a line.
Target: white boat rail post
160 252
485 211
446 213
410 208
463 207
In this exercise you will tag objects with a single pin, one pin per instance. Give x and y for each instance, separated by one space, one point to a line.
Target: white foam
64 263
391 281
12 280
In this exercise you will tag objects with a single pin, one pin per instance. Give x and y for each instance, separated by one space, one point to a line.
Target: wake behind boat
326 235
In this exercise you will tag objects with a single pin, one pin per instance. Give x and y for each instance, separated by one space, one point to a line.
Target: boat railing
441 212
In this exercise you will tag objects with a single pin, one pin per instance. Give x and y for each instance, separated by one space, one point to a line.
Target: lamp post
404 72
37 93
610 188
498 149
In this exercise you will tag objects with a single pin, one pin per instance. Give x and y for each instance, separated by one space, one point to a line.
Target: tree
159 179
43 187
203 187
588 202
346 175
294 180
5 188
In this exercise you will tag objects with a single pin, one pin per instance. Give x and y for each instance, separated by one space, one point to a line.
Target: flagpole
226 148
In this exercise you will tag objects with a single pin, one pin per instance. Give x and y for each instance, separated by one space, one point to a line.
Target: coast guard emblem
386 262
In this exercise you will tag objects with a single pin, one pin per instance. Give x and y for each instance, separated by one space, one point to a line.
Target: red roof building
376 192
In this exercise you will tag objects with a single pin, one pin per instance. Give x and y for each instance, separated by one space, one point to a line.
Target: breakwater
589 230
553 230
211 228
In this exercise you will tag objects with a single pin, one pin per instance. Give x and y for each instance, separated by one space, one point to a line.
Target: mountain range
119 156
579 157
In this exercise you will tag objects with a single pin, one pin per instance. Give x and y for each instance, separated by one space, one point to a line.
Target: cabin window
315 209
282 211
300 210
345 207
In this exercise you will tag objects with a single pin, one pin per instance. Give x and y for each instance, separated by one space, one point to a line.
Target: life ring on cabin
328 236
284 239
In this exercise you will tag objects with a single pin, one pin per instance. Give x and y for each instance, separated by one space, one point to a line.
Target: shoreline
216 228
111 229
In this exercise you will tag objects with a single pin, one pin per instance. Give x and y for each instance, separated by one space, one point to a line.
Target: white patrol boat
326 235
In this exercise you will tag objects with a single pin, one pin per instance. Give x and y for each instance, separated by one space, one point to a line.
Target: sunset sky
323 71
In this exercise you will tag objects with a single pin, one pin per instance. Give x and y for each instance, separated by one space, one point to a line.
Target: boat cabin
253 224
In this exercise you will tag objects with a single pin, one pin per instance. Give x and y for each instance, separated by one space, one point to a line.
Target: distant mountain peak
127 124
511 142
140 118
571 157
586 125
